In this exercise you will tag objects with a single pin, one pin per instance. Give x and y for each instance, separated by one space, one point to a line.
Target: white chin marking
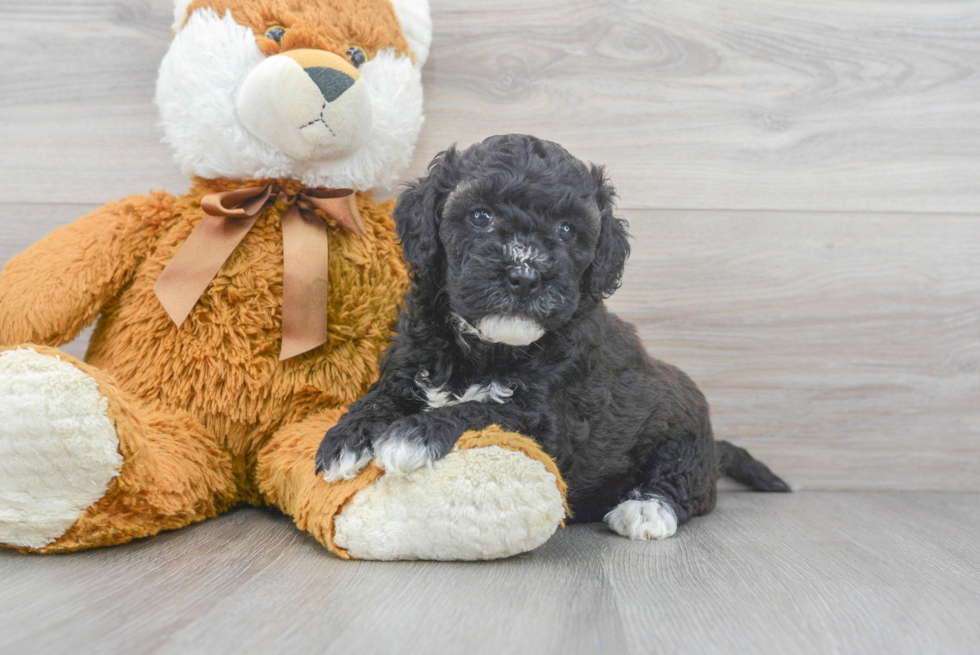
510 330
399 456
649 517
347 466
58 448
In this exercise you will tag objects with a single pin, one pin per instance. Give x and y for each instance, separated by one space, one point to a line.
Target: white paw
58 448
476 504
347 466
648 517
400 456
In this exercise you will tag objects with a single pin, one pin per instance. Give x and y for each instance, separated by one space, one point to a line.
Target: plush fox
237 322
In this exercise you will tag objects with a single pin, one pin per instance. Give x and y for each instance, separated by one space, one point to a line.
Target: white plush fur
510 330
416 23
347 466
198 87
400 454
647 517
58 448
477 504
180 14
436 397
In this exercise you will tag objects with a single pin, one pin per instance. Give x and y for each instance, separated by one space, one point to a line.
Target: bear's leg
495 496
84 465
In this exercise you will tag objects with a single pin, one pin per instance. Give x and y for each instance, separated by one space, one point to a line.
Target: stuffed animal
237 322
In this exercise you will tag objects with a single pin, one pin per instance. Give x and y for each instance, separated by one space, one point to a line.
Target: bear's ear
417 215
180 14
413 15
606 272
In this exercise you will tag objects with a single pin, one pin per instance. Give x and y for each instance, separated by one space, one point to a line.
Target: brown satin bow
229 215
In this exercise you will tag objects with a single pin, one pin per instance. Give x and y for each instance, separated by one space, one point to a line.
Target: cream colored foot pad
476 504
58 448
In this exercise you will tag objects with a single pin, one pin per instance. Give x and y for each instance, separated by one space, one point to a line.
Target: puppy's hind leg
643 516
677 483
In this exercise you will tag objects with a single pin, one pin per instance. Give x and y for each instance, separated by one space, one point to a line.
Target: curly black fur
618 422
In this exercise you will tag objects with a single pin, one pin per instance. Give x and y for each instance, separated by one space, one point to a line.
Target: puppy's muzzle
309 104
523 280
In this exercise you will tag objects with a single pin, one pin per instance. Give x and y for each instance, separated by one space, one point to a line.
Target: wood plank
810 572
843 350
528 604
770 104
77 120
129 599
778 104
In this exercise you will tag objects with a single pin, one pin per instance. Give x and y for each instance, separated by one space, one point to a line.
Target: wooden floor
802 179
817 572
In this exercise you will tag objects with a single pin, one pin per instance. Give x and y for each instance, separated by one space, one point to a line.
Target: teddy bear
235 323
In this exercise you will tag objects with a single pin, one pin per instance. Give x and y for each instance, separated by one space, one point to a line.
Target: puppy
513 246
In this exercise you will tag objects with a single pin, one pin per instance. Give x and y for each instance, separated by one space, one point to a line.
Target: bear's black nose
523 280
332 82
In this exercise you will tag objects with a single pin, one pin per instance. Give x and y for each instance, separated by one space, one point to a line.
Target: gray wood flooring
815 572
802 183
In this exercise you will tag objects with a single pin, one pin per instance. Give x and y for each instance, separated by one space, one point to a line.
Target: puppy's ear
417 214
606 272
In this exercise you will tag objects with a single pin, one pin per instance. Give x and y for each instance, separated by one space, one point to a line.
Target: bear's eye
357 56
276 32
480 218
565 232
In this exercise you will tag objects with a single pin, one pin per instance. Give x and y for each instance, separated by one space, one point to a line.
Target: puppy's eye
276 32
481 219
565 232
357 56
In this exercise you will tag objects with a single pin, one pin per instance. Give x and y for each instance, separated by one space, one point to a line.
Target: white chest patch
436 397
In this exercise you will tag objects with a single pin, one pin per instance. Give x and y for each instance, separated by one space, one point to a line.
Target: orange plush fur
206 415
331 25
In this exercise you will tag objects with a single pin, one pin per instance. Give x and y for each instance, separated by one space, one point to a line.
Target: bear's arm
59 285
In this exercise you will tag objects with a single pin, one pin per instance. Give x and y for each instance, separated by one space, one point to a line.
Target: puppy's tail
740 466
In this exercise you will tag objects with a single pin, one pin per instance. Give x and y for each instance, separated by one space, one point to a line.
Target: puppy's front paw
411 443
345 466
647 517
343 452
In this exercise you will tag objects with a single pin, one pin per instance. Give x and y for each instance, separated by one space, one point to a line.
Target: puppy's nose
523 280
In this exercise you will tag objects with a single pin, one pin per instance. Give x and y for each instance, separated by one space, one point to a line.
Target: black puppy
513 246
